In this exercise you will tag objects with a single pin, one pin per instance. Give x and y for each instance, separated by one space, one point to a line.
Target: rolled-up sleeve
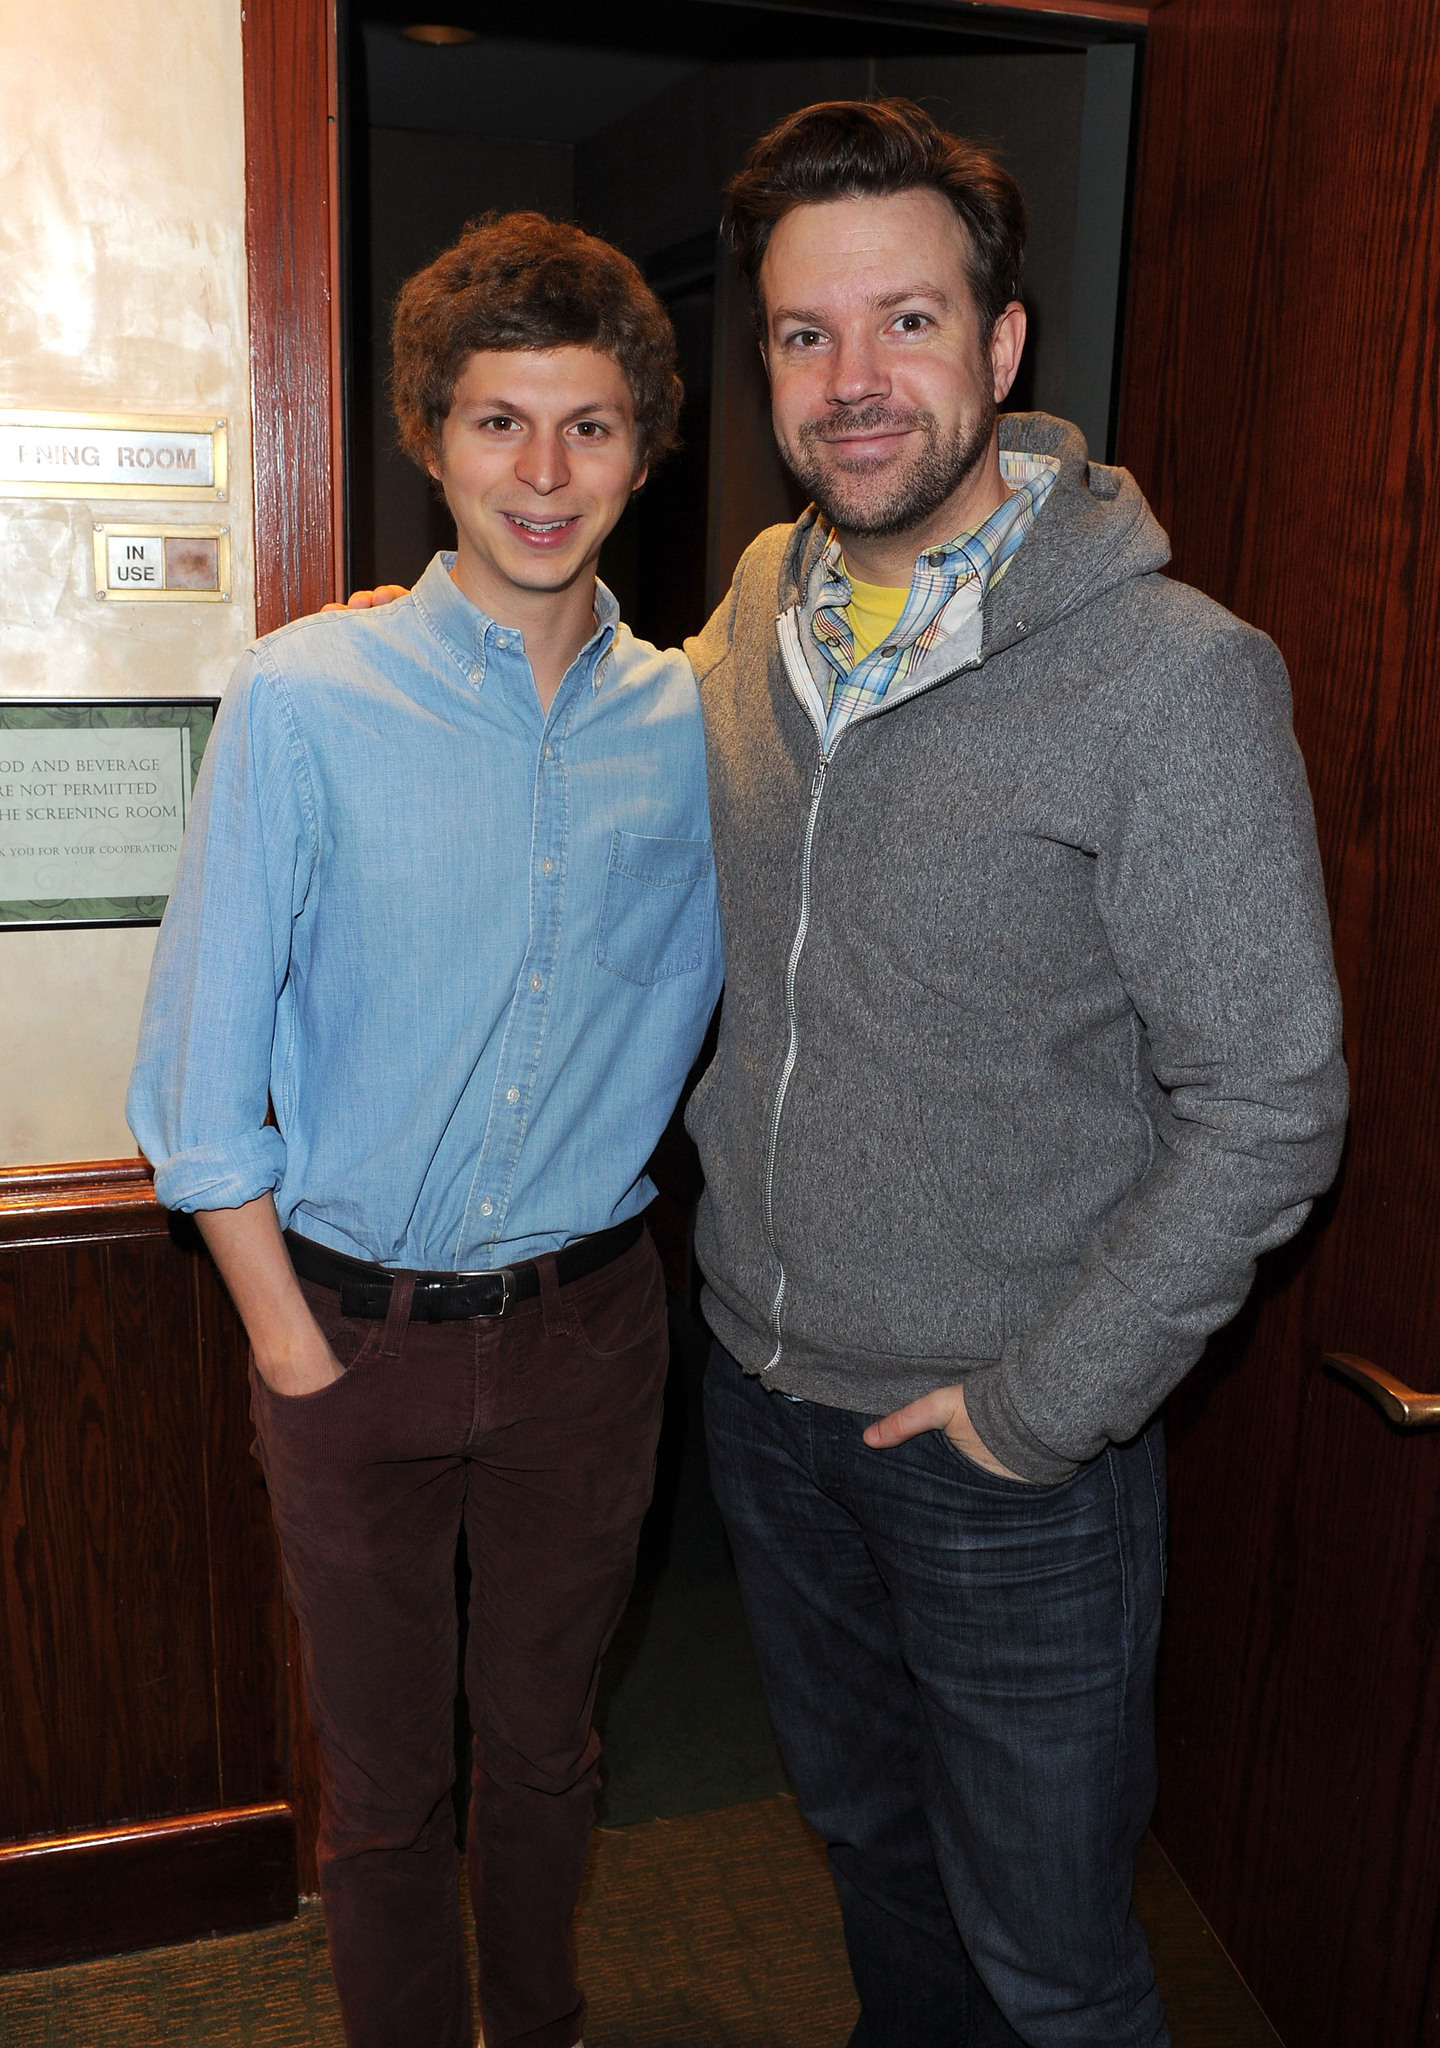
199 1093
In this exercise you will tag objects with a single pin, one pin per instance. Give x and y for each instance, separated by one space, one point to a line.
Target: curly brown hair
868 149
522 281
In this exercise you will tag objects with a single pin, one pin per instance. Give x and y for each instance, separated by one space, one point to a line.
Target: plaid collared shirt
949 584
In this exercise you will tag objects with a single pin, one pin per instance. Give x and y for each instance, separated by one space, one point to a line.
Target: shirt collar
470 633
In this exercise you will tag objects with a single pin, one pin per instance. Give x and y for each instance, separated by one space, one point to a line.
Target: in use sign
189 564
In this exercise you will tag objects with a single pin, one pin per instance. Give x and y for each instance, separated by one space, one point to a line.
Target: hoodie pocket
1031 1170
947 1214
656 913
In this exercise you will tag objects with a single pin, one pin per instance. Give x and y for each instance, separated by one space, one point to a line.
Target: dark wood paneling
1280 409
291 226
144 1677
108 1639
95 1894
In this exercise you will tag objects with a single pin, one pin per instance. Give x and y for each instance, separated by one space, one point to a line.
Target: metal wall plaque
94 795
184 564
112 455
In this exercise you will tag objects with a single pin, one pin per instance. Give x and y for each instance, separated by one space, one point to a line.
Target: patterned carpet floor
718 1930
715 1930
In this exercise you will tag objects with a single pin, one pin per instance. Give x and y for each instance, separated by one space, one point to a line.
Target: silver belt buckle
507 1289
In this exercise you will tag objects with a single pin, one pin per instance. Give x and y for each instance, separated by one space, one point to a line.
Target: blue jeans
959 1668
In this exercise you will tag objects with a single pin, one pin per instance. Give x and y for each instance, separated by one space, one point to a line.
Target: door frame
293 211
294 214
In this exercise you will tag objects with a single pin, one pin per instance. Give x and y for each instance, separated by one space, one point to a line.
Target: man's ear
638 480
1007 345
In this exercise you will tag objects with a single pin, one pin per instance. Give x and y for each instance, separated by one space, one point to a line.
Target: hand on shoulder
364 600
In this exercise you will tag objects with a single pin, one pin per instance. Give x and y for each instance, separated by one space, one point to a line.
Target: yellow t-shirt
872 614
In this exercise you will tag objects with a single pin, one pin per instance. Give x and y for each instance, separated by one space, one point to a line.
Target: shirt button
536 983
512 1094
548 865
936 559
486 1207
549 751
887 650
475 673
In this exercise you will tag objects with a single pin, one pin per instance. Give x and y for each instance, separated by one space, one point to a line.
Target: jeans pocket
348 1369
612 1319
354 1341
997 1482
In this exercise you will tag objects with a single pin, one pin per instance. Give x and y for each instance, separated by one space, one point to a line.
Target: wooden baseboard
66 1897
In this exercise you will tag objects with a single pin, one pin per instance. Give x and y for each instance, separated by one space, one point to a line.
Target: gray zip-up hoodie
1031 1038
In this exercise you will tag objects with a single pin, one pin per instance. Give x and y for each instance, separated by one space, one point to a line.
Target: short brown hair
522 281
868 149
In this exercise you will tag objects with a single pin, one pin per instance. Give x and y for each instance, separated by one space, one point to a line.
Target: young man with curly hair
446 902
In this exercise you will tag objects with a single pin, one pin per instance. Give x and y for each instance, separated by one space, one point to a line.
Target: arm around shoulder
707 648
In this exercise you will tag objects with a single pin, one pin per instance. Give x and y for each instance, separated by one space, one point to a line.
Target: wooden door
1280 409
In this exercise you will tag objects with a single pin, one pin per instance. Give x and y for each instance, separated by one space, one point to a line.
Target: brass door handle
1399 1403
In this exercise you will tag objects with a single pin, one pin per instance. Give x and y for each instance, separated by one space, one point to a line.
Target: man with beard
1030 1046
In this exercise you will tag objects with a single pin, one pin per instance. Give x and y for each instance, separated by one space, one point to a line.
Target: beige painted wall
122 288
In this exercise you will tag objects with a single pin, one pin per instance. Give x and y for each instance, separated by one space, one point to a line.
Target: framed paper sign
94 794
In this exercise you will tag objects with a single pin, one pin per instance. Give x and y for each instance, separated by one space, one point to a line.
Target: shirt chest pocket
658 911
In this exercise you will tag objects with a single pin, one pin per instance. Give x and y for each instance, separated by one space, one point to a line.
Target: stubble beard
876 501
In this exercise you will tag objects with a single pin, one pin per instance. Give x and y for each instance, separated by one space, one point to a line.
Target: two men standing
1030 1046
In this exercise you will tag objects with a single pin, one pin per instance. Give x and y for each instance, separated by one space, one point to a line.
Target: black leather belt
365 1290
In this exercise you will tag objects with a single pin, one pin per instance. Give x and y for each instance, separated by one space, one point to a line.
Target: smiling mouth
882 430
867 432
861 443
540 526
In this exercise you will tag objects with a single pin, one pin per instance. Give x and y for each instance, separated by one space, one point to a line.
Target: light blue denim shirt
468 950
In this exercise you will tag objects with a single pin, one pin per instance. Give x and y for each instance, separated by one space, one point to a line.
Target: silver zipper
792 1050
794 661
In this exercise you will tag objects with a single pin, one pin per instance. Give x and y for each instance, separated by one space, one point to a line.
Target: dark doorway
629 120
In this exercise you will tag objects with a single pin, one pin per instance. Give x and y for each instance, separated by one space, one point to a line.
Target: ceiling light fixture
438 33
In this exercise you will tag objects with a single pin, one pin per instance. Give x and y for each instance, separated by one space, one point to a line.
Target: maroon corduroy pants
536 1434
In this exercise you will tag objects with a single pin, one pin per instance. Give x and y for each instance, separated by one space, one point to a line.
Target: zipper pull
818 780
